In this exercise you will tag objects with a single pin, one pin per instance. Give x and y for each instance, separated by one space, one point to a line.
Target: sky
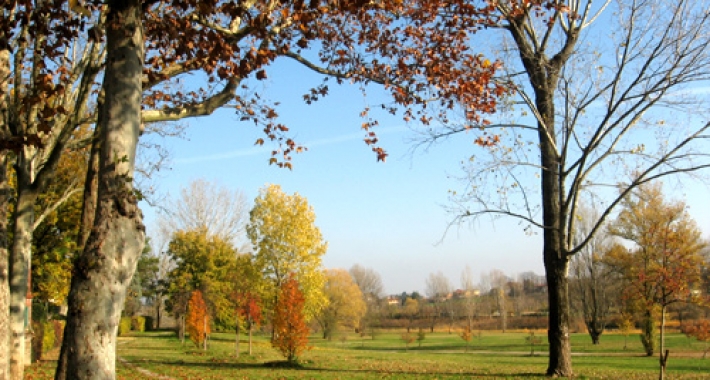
388 216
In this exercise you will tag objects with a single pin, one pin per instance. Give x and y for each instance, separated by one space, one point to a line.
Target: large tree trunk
20 267
105 268
4 202
87 219
555 256
560 361
594 331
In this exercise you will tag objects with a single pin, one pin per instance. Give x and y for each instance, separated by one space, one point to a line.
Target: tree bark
103 272
594 334
662 352
236 342
560 361
4 202
20 269
555 257
250 330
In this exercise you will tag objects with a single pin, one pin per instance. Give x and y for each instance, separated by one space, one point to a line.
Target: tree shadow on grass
306 367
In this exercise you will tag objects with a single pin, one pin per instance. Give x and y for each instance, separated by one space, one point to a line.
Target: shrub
49 339
138 324
124 326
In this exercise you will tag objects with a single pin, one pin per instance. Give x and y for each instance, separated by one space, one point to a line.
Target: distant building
460 293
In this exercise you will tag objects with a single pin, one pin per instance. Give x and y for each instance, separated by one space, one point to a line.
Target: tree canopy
346 305
287 243
204 263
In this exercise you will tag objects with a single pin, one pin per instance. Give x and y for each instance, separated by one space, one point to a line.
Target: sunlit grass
441 356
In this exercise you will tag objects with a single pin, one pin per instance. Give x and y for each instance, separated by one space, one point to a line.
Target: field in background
441 356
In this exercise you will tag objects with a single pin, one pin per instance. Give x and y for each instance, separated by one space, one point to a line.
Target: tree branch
204 108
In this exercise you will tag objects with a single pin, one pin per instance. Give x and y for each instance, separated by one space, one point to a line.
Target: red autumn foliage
290 329
700 331
249 308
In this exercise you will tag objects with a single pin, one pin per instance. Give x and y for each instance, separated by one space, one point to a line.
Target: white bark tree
4 201
104 269
207 205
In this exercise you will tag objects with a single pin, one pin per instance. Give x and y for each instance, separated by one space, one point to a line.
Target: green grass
442 356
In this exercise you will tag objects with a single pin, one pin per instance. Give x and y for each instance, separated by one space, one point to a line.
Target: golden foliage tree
345 302
287 242
198 320
203 262
290 330
665 261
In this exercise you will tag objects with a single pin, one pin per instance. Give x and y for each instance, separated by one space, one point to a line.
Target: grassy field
441 356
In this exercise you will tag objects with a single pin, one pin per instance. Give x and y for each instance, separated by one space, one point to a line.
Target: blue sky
387 216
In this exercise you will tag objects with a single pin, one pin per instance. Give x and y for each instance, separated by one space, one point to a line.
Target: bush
138 324
49 339
124 326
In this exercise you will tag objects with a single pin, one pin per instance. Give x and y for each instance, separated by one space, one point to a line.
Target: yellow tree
665 261
287 242
345 302
202 262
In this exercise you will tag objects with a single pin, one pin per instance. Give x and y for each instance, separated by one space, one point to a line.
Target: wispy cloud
263 150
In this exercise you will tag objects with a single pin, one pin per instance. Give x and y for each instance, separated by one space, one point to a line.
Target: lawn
441 356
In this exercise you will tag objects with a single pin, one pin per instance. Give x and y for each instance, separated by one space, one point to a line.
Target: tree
198 320
345 306
249 309
626 324
287 243
532 340
370 284
701 331
104 269
665 262
290 330
210 206
4 201
407 338
56 229
497 282
466 334
592 283
421 336
183 37
585 129
206 263
469 299
141 284
438 289
410 309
